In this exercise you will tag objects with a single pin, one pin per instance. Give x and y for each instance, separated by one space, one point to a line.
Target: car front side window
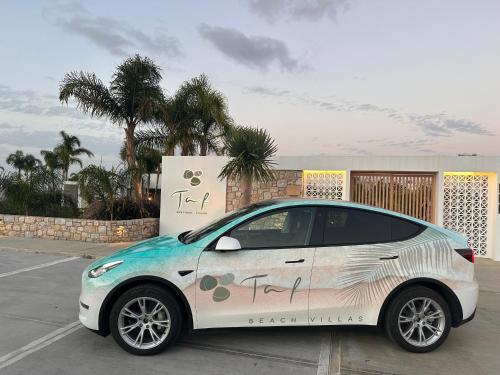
278 229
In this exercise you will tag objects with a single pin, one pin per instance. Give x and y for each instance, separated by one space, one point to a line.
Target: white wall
179 215
439 164
186 205
392 163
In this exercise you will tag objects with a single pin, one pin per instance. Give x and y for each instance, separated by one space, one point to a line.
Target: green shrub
38 193
123 209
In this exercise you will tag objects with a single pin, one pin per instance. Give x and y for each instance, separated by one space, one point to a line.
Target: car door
264 283
354 244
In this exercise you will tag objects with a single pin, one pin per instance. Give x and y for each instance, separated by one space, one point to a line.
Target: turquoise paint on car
177 263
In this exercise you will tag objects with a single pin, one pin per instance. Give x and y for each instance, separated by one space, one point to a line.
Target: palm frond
91 96
366 278
251 151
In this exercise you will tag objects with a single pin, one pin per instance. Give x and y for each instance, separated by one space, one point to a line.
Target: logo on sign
189 202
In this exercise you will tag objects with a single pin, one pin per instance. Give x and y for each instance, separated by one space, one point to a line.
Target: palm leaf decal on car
367 277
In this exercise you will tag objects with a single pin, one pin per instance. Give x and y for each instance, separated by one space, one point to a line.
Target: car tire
418 319
145 320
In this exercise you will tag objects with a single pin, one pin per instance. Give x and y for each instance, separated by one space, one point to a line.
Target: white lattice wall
324 184
465 207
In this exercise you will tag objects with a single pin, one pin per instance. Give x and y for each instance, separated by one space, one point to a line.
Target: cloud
432 125
265 91
20 137
351 150
252 51
32 103
306 10
442 124
115 36
36 119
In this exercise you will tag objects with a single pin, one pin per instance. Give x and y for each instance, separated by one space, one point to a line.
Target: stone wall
54 228
288 183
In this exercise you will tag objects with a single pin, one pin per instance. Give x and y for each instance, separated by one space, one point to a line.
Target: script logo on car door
221 293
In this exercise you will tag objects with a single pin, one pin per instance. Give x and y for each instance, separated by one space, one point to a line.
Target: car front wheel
418 319
145 320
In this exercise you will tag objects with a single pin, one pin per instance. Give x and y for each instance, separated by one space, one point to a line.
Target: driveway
40 334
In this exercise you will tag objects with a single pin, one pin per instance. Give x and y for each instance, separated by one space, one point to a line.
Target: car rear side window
403 229
350 226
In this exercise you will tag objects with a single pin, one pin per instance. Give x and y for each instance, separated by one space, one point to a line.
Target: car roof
285 202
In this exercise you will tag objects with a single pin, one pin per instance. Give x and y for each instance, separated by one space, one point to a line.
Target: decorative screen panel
410 193
465 207
324 184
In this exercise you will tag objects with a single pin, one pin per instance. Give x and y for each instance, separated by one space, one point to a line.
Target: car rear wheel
418 319
145 320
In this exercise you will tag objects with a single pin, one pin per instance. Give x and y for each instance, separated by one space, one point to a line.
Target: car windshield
203 231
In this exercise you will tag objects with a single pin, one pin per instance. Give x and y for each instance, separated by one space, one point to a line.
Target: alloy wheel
144 323
421 321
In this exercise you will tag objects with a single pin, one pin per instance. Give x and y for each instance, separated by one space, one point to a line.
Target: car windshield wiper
183 235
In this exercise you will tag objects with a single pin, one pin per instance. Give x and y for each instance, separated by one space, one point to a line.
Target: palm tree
175 128
22 162
52 160
206 111
150 161
68 151
133 98
250 150
195 118
37 192
17 161
99 184
30 164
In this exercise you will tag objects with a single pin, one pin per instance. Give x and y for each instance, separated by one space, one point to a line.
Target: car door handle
295 261
389 258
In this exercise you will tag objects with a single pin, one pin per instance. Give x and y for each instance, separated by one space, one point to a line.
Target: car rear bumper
468 300
466 320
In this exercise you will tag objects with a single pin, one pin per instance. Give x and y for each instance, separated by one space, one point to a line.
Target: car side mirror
227 244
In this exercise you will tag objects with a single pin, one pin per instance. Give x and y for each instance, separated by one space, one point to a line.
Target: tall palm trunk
246 197
156 184
131 161
185 149
149 184
203 148
169 151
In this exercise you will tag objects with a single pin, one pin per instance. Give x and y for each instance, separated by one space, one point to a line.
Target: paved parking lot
40 334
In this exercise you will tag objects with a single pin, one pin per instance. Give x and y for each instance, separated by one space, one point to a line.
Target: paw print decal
194 177
220 293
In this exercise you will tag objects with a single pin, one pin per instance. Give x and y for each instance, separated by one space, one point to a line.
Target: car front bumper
91 300
89 315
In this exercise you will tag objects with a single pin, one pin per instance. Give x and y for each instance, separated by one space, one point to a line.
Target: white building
460 193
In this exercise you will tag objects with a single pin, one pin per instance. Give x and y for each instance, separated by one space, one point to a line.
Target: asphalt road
40 334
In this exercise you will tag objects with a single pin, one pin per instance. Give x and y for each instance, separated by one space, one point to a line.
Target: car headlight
99 271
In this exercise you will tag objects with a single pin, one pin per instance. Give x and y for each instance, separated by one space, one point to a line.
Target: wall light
467 173
317 171
120 231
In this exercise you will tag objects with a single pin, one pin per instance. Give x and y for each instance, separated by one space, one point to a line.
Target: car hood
145 249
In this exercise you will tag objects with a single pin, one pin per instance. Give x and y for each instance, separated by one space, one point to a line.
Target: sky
325 77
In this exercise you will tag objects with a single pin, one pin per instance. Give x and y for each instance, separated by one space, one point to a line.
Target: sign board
191 192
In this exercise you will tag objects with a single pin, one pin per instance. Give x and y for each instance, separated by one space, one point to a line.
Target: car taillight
467 254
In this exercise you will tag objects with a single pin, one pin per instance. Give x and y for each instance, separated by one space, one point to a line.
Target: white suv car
286 263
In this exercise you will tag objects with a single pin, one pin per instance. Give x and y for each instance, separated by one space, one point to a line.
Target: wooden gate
405 192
